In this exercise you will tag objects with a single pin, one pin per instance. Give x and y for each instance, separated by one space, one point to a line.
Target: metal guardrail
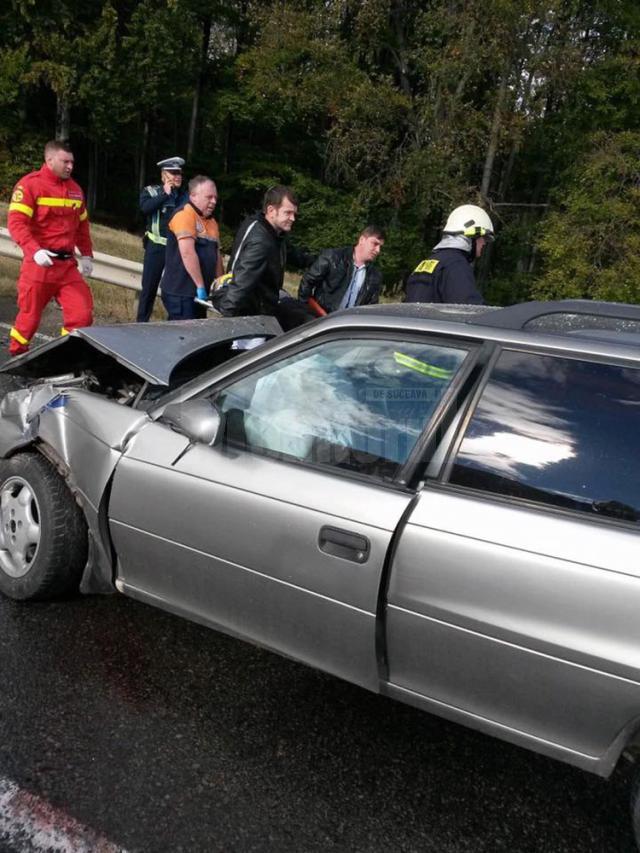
106 268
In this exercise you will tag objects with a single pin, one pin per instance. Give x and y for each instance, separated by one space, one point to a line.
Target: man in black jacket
258 257
342 278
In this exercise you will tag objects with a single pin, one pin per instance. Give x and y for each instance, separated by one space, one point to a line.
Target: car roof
572 325
559 315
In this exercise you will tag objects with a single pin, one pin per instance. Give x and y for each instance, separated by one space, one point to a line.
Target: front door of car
279 533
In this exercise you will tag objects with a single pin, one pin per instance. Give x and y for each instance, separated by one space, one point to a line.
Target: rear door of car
280 533
515 588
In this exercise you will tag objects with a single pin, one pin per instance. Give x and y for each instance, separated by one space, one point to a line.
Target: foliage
591 244
392 111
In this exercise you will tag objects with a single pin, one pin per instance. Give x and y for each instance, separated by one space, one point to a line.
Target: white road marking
29 824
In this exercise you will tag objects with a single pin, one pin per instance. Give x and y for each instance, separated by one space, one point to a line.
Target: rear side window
557 431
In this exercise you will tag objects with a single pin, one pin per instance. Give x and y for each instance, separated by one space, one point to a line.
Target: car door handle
344 544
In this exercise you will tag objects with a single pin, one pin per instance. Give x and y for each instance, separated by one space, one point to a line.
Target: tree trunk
63 120
195 107
195 104
400 55
142 171
494 138
92 182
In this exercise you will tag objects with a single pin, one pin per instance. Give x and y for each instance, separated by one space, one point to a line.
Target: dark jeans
181 307
152 267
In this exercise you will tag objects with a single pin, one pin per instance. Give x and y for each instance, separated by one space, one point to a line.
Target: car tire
43 533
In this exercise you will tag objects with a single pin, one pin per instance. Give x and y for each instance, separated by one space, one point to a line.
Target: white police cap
171 164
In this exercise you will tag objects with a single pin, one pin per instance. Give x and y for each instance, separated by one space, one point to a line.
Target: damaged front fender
83 436
20 416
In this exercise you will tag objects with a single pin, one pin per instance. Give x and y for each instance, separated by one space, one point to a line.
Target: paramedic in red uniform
48 219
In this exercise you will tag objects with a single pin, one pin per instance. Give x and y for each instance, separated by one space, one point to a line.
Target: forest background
385 111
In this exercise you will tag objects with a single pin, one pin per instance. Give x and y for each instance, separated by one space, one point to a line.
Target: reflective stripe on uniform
427 266
156 238
422 366
154 234
45 201
21 208
15 334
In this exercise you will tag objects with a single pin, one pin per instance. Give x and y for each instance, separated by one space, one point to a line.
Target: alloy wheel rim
20 529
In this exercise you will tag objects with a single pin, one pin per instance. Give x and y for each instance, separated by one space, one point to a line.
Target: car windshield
357 404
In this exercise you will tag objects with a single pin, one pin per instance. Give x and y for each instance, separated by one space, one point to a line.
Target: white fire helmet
469 220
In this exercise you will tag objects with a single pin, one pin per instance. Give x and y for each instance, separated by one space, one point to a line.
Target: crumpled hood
150 350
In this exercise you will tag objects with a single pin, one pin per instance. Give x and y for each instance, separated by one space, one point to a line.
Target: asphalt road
161 735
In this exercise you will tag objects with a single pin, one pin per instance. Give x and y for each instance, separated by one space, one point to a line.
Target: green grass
112 304
111 241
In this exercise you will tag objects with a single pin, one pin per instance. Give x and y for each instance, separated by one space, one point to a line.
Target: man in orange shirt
193 258
48 219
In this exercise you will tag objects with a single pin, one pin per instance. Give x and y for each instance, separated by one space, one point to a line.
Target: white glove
43 258
86 265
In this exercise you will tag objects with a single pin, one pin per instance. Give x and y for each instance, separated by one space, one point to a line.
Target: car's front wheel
43 534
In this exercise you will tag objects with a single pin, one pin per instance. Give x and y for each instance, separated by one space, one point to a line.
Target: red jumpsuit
47 212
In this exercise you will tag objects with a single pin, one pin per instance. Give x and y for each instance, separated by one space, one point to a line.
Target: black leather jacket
329 276
258 271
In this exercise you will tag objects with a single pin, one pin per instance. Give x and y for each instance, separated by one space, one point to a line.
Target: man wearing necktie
345 277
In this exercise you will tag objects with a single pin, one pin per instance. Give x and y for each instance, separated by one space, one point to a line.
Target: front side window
357 404
558 431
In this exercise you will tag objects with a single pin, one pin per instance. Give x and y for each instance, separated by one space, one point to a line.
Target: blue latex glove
201 293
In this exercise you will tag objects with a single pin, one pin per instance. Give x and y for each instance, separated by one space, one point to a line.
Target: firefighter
447 275
48 220
158 203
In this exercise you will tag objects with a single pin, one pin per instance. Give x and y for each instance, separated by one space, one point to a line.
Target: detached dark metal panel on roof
151 350
516 317
453 313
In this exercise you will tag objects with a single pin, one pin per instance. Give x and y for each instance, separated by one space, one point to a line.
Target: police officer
158 203
447 275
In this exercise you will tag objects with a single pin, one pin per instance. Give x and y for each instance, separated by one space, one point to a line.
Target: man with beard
193 258
257 262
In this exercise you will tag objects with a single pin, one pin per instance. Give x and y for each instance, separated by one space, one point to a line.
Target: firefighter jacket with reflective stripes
158 208
47 212
445 276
